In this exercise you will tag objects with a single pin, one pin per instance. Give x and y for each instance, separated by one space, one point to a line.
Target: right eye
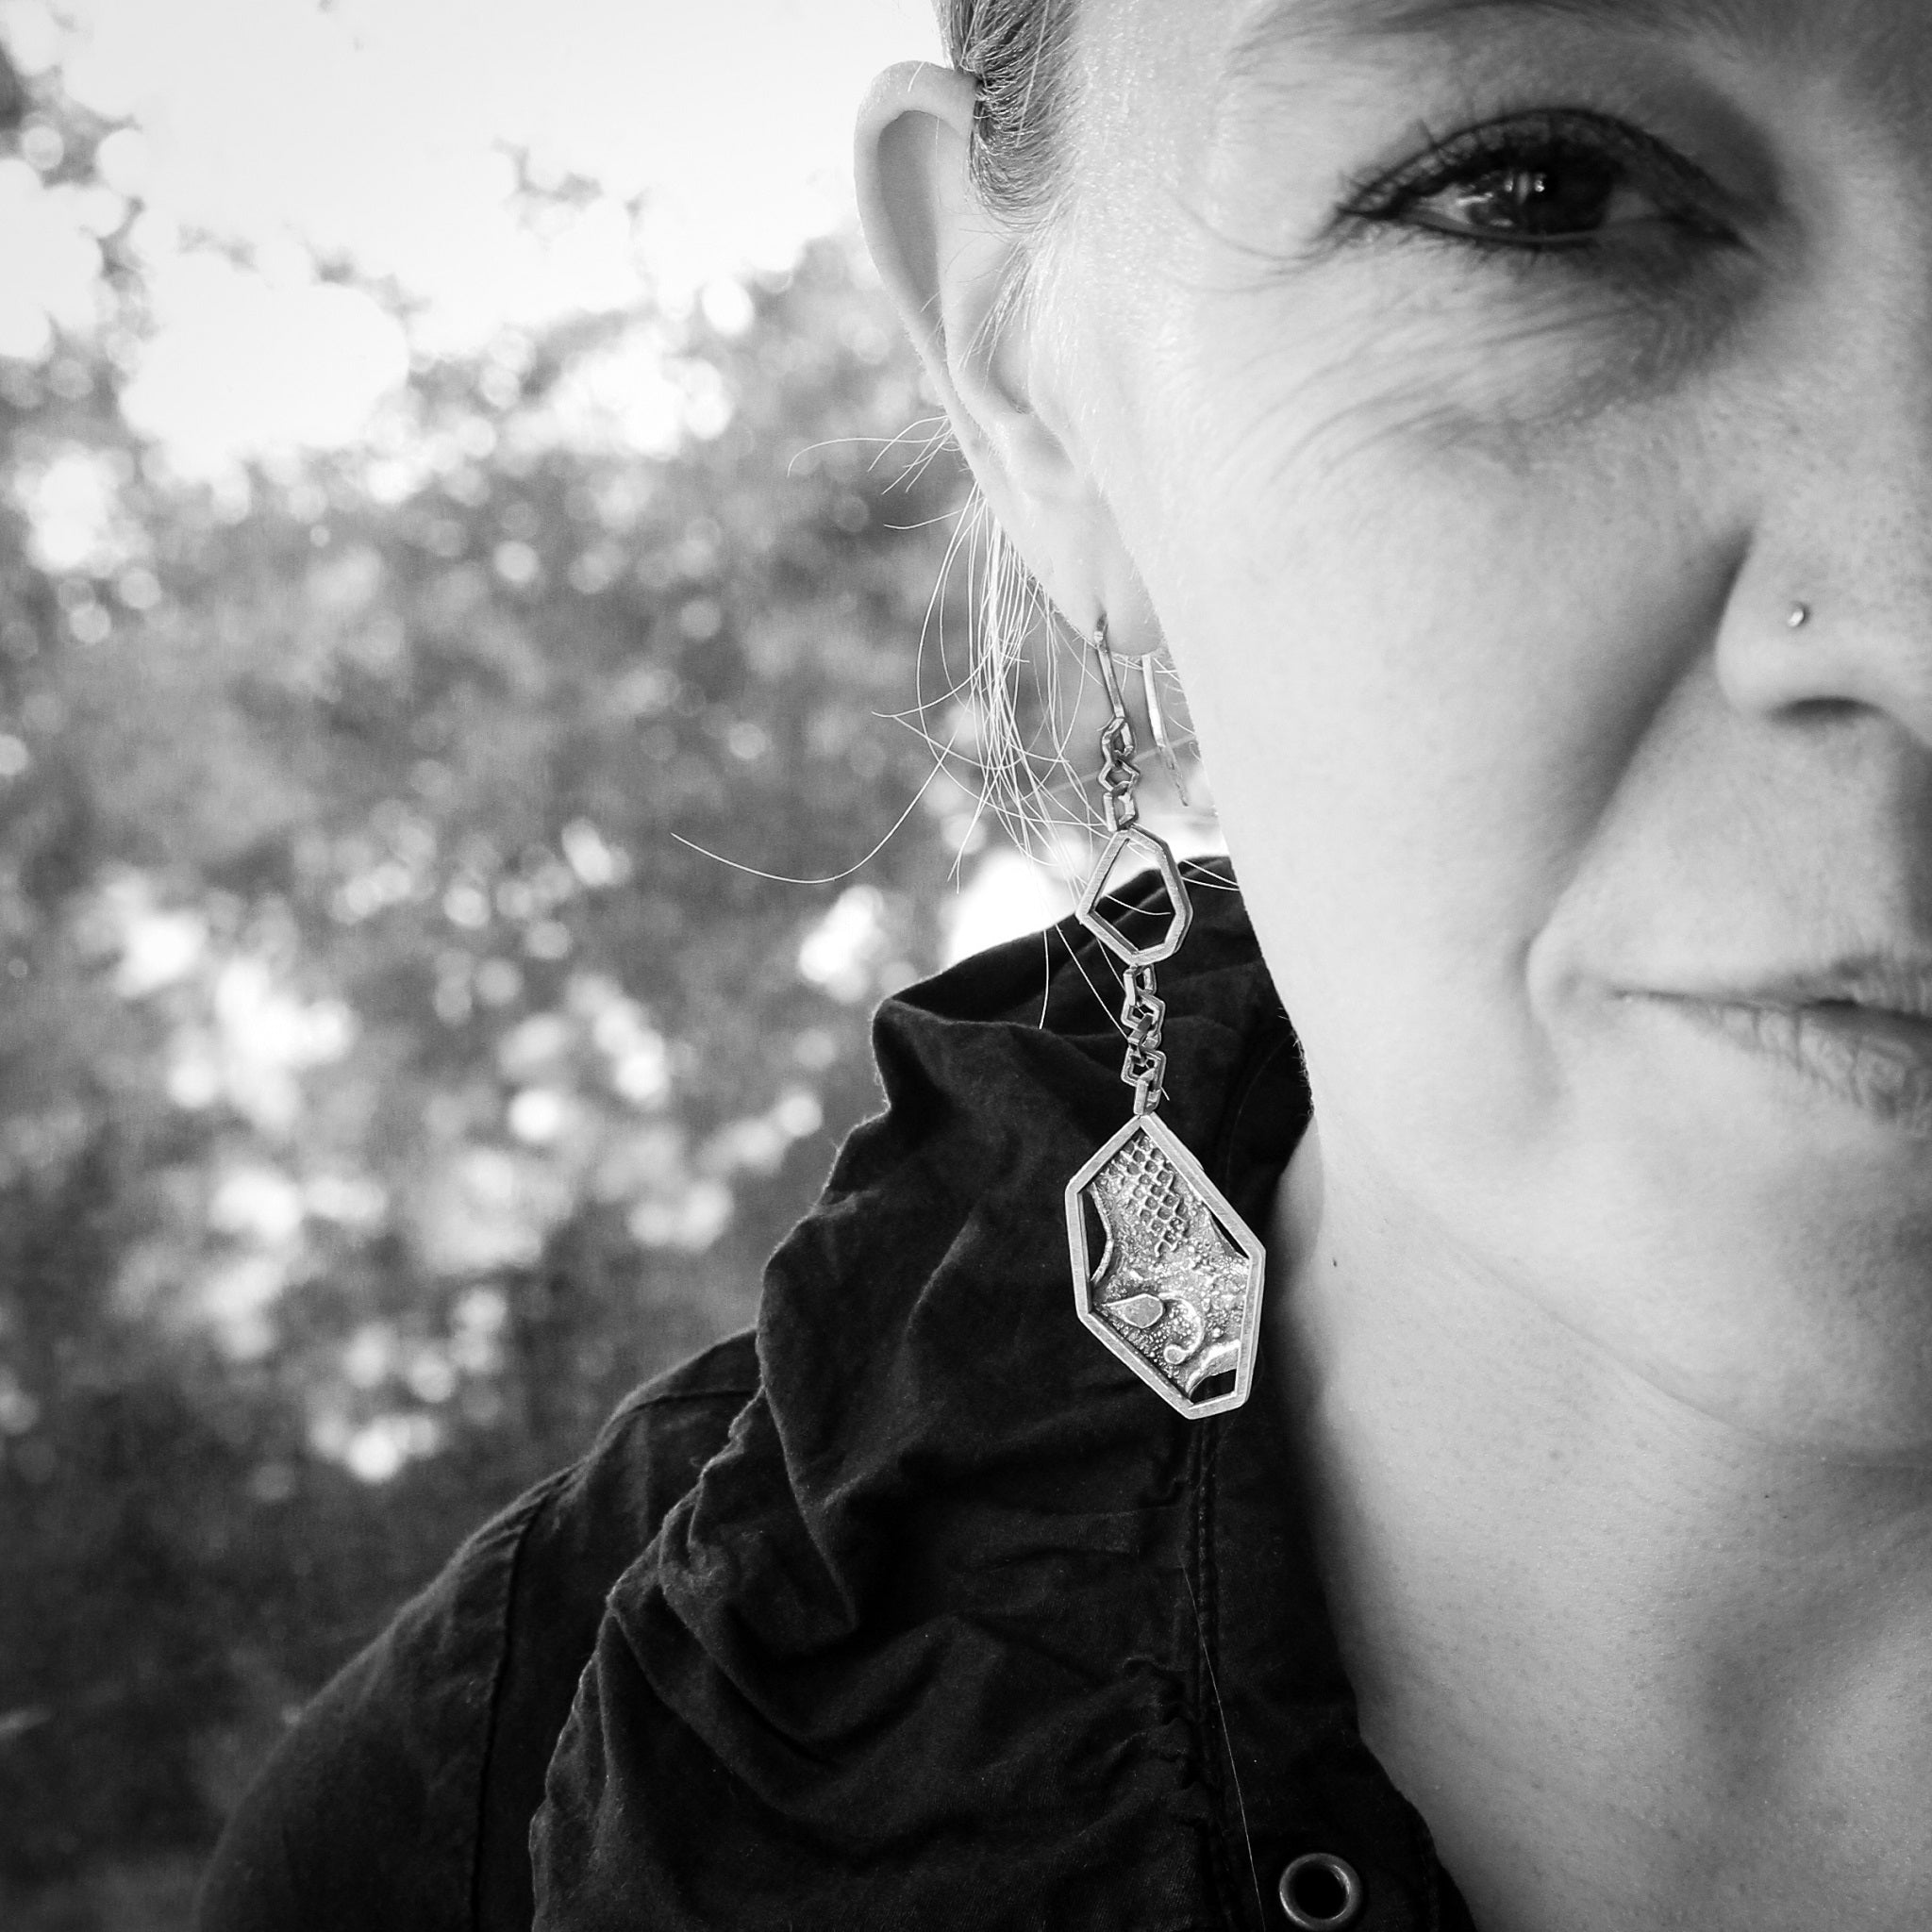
1546 198
1544 182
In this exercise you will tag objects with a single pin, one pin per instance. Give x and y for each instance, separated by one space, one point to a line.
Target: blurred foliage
387 1079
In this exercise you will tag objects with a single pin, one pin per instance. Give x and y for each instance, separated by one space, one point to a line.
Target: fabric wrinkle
936 1618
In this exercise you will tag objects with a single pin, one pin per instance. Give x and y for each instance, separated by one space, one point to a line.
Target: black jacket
915 1611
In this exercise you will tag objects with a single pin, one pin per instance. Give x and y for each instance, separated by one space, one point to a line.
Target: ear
950 265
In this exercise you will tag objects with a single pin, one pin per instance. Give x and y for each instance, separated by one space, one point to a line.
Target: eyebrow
1288 22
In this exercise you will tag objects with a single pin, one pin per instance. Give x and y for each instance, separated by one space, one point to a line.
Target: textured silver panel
1176 1290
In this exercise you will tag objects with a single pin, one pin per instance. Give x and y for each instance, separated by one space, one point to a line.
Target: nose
1833 605
1841 645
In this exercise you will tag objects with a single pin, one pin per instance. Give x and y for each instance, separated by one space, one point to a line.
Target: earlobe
951 267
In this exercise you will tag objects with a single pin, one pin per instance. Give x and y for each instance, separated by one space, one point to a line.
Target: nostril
1321 1892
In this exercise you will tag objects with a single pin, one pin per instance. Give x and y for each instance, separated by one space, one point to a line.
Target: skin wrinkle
1663 336
1366 333
1607 1342
1330 26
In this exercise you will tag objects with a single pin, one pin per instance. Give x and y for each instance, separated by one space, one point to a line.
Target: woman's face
1476 389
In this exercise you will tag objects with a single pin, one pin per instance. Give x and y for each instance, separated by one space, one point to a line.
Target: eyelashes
1557 183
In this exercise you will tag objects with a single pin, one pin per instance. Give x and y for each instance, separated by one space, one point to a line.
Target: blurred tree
388 1076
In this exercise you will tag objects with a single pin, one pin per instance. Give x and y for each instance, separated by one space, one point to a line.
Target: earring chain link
1143 1012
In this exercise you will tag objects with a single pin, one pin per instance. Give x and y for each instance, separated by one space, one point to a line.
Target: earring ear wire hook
1157 718
1109 678
1157 722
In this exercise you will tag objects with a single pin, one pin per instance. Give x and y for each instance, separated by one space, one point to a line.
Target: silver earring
1157 722
1175 1292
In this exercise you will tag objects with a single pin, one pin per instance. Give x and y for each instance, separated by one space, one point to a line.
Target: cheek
1421 671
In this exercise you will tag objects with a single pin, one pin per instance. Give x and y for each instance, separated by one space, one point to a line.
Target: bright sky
382 131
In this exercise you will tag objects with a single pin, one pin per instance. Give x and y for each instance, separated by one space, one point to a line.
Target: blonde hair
1018 52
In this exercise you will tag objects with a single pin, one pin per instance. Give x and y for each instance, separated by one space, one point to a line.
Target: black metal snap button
1321 1892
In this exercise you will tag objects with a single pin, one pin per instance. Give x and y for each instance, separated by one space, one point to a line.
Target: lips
1862 1032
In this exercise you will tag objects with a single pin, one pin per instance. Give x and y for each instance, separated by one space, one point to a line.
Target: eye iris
1545 196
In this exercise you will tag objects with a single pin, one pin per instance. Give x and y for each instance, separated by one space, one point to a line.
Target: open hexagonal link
1155 847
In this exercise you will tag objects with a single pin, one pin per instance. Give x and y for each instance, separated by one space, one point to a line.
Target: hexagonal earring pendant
1176 1291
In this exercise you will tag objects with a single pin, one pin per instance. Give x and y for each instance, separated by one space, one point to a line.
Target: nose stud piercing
1800 617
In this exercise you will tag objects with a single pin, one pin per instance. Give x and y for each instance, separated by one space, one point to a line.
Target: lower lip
1880 1062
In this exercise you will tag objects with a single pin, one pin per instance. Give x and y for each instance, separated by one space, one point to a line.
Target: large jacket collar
964 1627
